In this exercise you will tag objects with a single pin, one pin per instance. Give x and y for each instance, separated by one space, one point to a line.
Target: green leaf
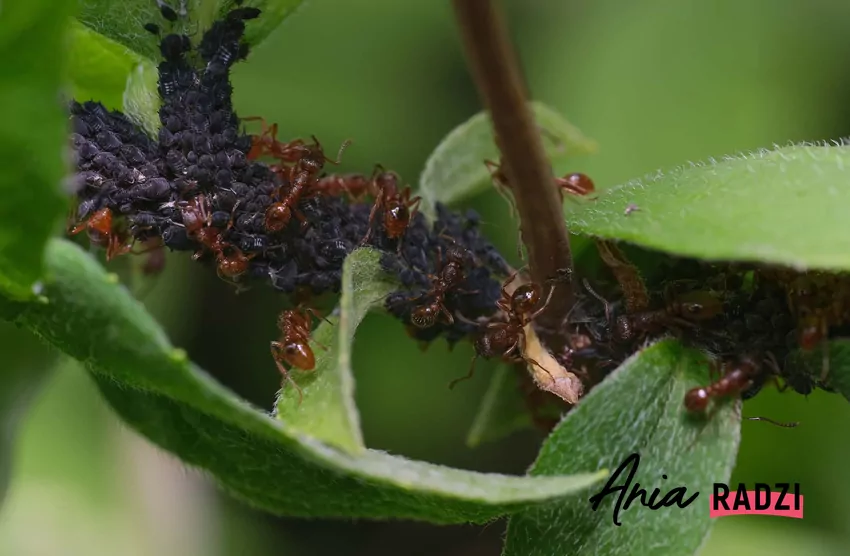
502 410
455 170
33 137
639 408
26 363
156 390
327 411
122 20
784 206
140 101
108 72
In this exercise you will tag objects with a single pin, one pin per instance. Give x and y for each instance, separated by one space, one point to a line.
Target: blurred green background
656 82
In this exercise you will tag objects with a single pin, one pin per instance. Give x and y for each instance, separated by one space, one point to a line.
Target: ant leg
599 298
151 247
318 316
412 204
345 144
531 361
275 347
495 170
715 371
519 243
789 425
468 375
447 314
79 227
378 202
510 279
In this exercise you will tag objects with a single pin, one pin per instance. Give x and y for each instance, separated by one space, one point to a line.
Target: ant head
697 399
277 217
398 213
299 355
577 184
384 178
525 298
233 265
459 255
700 305
425 316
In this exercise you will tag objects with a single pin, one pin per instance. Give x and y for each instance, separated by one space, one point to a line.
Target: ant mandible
293 347
506 339
451 274
399 207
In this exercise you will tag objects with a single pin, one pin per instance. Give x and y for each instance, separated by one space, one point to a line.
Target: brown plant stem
495 68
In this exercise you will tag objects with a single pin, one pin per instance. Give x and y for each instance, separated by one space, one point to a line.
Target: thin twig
494 66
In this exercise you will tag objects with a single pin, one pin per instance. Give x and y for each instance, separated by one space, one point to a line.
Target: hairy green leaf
327 411
33 135
88 315
103 70
502 410
638 409
455 170
123 20
785 206
26 362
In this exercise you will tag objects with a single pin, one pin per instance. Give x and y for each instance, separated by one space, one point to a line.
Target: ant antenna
289 379
790 425
598 297
467 376
345 145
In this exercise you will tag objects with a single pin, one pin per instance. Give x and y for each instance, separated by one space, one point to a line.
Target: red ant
399 207
685 310
195 214
293 348
506 339
99 227
266 143
733 382
576 184
230 261
451 274
305 170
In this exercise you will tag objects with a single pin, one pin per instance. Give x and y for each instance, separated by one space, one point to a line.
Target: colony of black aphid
202 185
